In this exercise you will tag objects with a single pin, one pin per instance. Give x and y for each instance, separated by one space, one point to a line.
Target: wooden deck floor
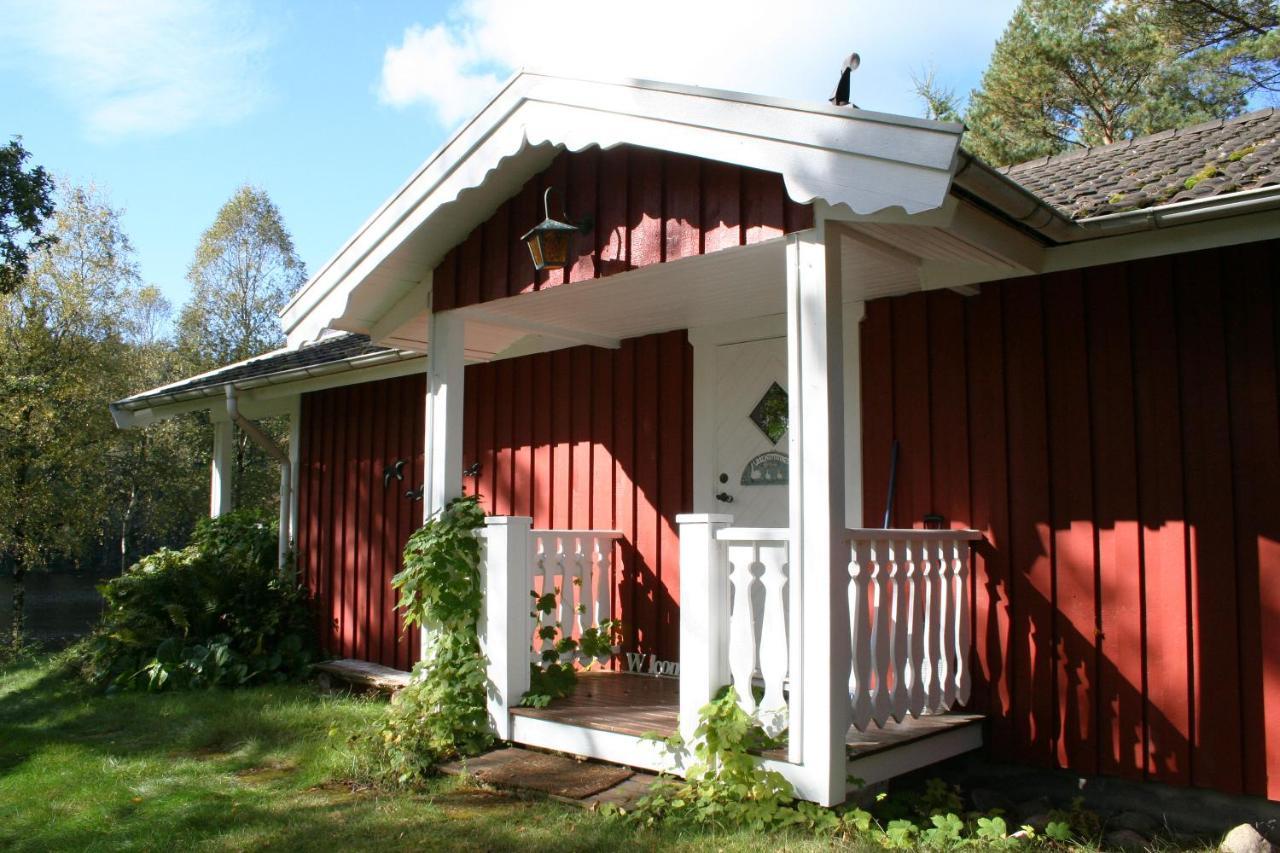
638 705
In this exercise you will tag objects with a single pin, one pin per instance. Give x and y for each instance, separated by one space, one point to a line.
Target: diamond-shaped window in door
770 414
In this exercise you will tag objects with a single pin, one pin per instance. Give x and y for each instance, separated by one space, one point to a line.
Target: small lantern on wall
550 240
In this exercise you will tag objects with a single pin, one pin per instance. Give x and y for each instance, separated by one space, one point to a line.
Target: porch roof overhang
853 161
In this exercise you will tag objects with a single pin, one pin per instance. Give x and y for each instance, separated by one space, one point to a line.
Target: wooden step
364 674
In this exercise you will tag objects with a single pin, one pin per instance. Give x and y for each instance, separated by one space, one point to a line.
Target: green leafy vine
442 713
555 676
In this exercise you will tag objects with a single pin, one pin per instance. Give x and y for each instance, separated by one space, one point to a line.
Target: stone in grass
1245 839
1124 839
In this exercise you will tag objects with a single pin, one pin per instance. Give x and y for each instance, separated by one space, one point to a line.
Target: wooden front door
750 432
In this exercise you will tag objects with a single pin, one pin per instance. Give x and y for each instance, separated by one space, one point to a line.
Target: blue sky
169 105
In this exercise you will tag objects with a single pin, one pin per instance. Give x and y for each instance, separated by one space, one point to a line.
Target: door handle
725 497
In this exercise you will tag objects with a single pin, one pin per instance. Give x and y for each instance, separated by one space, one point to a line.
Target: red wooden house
691 427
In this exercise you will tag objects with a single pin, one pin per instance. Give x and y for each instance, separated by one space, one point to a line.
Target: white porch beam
815 354
547 330
221 476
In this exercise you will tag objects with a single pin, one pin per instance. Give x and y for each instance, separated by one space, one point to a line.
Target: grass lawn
266 767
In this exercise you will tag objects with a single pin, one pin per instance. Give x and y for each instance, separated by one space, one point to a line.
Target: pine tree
1067 73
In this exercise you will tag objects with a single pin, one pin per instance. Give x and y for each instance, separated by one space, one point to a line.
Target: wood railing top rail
753 534
603 534
879 534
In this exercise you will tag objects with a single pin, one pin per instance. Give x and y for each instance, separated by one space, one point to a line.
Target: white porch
852 644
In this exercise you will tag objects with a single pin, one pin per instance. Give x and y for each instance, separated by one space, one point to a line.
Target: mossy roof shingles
1190 163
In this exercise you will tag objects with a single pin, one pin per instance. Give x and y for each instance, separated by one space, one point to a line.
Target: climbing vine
441 714
554 676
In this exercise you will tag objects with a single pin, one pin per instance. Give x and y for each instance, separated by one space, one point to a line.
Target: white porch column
506 629
816 412
221 476
442 480
704 616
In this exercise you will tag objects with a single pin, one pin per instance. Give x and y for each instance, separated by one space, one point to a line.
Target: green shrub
443 711
215 613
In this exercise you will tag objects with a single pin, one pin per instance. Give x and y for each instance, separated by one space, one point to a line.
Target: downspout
273 450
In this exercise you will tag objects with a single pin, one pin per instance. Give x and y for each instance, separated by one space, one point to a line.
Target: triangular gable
862 161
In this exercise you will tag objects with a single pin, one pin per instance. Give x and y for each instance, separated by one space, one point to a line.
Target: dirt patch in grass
266 774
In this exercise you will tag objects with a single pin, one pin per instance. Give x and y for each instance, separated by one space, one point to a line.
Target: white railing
908 622
741 618
577 565
758 566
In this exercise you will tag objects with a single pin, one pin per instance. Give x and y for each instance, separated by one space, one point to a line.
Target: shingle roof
333 349
1190 163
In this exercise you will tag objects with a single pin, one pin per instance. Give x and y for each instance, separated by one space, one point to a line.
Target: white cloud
791 49
140 66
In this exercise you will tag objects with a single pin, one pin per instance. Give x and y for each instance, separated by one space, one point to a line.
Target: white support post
221 476
818 555
442 479
506 629
704 616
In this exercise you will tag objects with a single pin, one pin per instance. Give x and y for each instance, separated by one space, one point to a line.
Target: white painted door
750 466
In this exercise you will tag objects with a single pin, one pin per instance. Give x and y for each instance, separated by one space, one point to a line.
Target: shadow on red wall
1113 431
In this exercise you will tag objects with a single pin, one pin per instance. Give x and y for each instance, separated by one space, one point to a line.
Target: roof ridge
1088 151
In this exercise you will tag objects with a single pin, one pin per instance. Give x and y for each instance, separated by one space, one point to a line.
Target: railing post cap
704 518
508 520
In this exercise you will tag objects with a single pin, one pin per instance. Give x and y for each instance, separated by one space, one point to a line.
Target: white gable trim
858 160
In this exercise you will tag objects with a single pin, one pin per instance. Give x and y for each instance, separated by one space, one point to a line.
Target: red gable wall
649 206
1115 432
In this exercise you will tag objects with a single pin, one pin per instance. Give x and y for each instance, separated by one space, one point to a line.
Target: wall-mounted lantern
549 241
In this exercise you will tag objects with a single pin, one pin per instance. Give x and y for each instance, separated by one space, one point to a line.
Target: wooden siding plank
526 212
674 461
989 490
471 267
522 438
910 354
1121 629
948 408
1249 315
1216 759
1034 685
1072 548
504 448
627 577
762 196
444 282
1165 567
876 354
682 220
647 592
561 402
481 378
721 214
542 440
644 208
583 175
579 404
611 211
497 251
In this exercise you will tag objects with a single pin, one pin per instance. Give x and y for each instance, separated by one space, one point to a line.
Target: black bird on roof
841 96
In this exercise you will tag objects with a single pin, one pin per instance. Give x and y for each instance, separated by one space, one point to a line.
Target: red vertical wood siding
351 529
1115 432
592 438
648 206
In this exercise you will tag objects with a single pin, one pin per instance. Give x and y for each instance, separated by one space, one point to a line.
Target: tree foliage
26 203
244 271
1067 73
61 357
